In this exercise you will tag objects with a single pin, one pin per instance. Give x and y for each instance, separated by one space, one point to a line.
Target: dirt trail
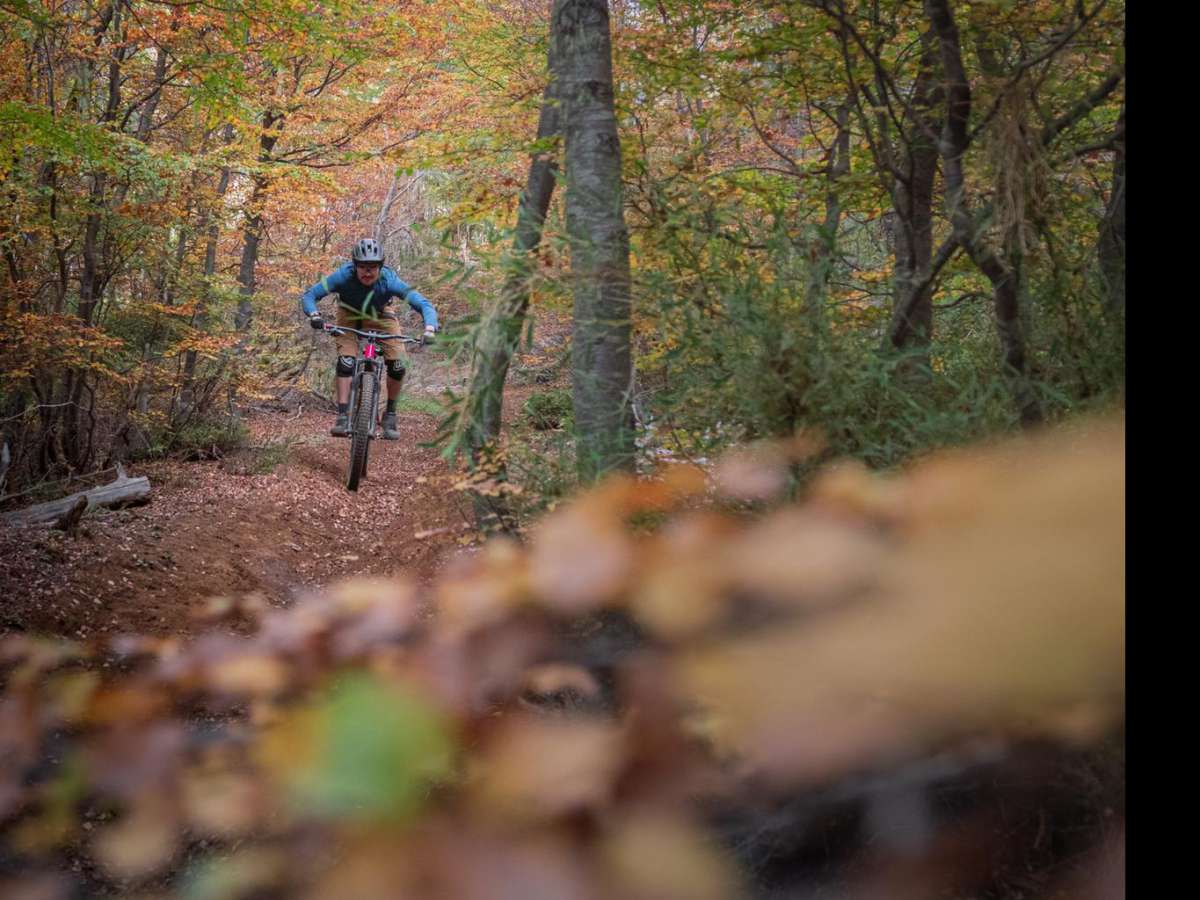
212 530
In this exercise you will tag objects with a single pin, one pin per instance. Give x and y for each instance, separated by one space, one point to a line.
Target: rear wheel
361 426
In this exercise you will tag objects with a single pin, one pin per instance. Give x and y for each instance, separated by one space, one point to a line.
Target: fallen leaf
254 674
654 856
143 842
539 769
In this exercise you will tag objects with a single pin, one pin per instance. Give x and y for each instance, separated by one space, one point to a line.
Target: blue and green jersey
370 302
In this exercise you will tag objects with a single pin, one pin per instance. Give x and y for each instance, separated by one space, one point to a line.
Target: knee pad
396 369
345 366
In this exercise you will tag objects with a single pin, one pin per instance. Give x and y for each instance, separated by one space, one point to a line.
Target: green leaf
378 751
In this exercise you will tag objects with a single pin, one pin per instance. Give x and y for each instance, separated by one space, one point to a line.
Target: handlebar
375 335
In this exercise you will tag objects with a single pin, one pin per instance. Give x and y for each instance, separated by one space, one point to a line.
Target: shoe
389 428
341 425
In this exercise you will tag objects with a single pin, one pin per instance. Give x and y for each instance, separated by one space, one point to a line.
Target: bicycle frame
369 360
367 365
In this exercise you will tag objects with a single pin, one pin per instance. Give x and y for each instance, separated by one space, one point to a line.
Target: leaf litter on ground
875 623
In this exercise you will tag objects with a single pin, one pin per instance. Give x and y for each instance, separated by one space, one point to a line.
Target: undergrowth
207 439
732 348
426 406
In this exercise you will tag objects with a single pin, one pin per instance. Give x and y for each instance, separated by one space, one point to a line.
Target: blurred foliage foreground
687 687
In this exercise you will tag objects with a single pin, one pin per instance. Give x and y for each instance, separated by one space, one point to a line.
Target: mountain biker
365 288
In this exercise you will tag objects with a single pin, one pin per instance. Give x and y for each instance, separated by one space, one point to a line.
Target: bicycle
365 385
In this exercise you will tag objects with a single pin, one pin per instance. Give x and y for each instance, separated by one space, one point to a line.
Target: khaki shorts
347 344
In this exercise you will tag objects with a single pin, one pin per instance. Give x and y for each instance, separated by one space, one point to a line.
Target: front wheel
361 426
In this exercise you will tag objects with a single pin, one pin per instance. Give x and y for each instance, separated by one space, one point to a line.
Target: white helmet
367 250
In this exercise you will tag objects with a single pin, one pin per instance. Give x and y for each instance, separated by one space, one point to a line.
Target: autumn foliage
866 662
173 175
656 698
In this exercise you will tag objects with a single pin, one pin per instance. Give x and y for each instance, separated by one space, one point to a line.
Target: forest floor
227 528
273 522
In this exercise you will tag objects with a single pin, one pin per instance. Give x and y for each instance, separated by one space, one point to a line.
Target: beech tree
1019 163
1111 242
601 361
500 332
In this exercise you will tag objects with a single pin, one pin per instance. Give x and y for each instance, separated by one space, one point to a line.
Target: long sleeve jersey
369 302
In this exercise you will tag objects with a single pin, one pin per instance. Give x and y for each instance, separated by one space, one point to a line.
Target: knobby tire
361 428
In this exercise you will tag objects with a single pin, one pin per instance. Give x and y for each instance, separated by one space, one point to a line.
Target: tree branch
1083 107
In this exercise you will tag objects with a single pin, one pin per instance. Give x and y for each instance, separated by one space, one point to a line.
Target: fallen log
125 491
69 521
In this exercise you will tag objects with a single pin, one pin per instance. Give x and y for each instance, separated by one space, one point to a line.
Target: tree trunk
210 223
602 364
146 113
90 276
77 447
381 219
252 232
1005 289
822 249
5 460
500 332
251 236
912 306
1111 244
912 198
